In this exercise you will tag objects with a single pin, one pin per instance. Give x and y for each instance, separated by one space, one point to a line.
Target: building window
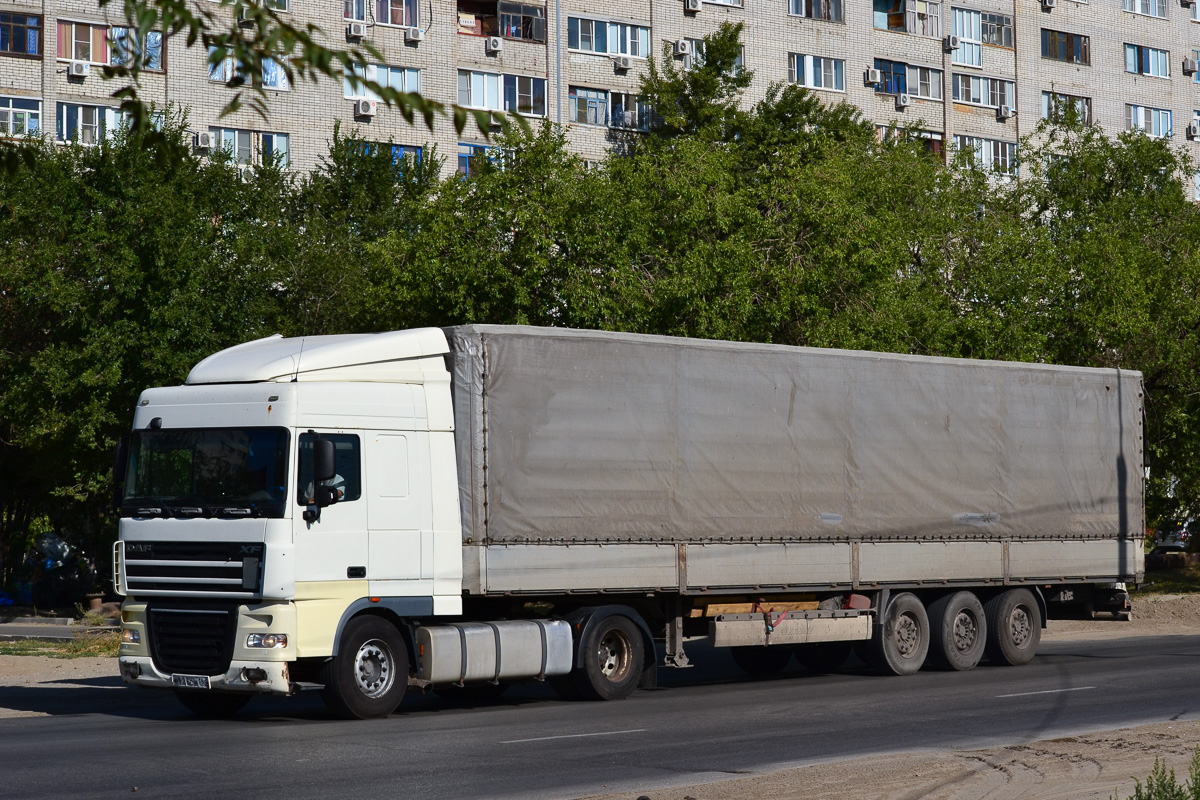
252 147
470 155
279 5
968 27
912 16
1151 8
523 22
735 3
816 72
828 10
274 75
20 117
588 106
1154 122
86 124
525 95
1147 61
899 78
478 17
997 30
402 79
1057 107
396 12
355 10
1194 15
78 41
628 112
20 34
1070 47
615 38
479 90
990 92
521 93
989 154
127 51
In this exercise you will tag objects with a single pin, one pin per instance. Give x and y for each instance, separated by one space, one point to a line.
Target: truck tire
957 631
213 705
1014 624
900 644
368 676
761 660
613 656
824 657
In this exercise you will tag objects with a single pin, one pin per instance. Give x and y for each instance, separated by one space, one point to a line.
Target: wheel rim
907 635
614 655
966 631
1020 626
374 673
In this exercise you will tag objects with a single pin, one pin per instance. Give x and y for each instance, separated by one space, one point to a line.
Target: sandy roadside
1088 767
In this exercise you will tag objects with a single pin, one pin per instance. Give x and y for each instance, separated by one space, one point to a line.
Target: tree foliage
790 222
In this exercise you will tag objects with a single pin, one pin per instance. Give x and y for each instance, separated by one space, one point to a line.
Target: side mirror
324 460
120 465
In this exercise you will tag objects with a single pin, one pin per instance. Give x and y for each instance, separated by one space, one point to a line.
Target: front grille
192 641
229 569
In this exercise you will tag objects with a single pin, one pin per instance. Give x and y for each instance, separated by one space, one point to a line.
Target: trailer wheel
957 631
368 676
900 644
760 659
825 656
1014 624
613 656
212 705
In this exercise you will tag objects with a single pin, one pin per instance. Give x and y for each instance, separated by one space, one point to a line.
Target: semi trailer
463 508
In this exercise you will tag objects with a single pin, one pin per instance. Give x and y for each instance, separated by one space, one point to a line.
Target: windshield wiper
189 511
237 511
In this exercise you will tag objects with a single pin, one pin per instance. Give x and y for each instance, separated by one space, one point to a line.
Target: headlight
130 636
271 641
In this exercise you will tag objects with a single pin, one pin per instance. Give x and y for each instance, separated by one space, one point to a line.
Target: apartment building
975 73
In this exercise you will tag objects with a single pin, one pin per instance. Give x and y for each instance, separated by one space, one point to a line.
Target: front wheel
368 676
613 657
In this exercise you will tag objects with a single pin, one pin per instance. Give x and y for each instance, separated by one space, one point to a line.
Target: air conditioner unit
1189 66
365 108
693 6
683 48
414 35
903 101
950 43
1193 132
1048 4
1004 112
78 69
205 141
623 62
494 44
245 172
356 30
872 77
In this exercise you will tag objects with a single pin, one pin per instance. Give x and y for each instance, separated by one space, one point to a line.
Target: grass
85 645
1170 581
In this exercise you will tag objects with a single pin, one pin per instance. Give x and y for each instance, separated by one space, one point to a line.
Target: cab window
348 480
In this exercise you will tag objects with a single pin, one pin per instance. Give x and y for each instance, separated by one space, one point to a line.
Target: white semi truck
469 507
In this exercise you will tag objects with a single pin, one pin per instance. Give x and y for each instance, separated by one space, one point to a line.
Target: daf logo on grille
137 548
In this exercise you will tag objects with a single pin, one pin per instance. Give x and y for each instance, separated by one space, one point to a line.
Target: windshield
207 472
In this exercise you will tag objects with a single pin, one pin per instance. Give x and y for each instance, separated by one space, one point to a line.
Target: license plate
190 681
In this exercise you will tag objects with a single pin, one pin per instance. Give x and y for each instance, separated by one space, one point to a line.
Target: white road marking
1048 691
573 736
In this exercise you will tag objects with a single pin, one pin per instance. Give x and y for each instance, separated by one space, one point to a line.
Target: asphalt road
710 722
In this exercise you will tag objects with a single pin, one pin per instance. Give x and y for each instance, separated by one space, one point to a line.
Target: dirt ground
1089 767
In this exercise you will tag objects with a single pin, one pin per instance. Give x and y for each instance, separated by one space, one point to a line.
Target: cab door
334 546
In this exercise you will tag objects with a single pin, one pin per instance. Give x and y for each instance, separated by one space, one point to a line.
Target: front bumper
259 677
